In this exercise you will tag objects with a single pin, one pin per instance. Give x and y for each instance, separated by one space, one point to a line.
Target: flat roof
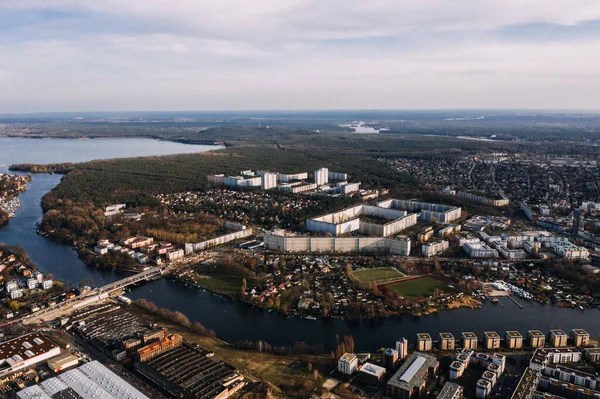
536 333
91 380
372 369
424 336
491 334
558 332
449 390
469 335
514 334
412 372
579 331
34 344
592 350
348 357
446 336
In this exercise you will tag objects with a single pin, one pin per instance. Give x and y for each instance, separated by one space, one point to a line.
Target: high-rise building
402 348
514 340
390 359
491 340
321 176
348 363
269 181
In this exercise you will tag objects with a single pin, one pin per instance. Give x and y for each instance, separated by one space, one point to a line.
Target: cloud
209 54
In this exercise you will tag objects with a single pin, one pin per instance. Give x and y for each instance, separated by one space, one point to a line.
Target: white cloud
219 54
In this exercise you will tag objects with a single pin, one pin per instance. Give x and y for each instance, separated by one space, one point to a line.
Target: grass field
417 288
379 273
221 283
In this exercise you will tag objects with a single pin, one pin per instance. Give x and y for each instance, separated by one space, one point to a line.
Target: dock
515 301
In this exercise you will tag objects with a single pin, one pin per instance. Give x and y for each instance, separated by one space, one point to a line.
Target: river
234 321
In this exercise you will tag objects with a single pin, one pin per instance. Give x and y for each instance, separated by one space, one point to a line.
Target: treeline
50 168
299 348
3 217
175 317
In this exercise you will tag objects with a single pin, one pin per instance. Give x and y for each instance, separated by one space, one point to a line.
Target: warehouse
25 351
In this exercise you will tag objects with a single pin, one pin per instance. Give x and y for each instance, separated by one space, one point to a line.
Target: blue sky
82 55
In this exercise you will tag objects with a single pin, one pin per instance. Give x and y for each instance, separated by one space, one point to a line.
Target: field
417 288
379 273
221 283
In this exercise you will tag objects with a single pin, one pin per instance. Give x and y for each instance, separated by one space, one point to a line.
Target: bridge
148 274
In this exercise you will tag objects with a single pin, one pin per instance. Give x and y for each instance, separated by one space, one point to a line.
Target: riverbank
287 375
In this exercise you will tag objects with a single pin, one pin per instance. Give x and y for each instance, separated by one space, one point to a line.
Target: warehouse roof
24 347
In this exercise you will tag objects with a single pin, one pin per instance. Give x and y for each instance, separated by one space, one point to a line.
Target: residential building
348 363
47 284
536 339
269 181
543 357
11 286
390 359
469 340
402 348
447 342
434 248
580 337
491 340
15 294
483 388
558 338
592 354
175 255
371 374
514 340
32 283
321 176
410 379
451 391
424 342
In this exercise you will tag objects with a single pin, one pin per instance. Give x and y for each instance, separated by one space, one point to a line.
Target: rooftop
536 333
579 331
449 390
446 336
514 334
413 372
372 369
558 333
469 335
348 357
424 336
491 334
25 346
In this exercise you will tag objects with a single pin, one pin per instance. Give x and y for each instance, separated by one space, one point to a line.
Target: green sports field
378 273
417 288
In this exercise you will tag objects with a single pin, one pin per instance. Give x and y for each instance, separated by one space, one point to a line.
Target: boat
580 307
494 300
310 318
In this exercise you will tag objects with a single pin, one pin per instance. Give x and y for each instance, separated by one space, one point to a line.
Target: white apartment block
348 364
434 248
321 176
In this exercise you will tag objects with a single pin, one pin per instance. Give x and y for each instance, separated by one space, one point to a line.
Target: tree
243 288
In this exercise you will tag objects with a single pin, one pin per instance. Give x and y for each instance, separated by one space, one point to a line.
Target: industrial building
91 380
491 340
447 342
424 342
62 362
348 363
558 338
469 340
409 381
580 337
514 340
190 371
537 339
25 351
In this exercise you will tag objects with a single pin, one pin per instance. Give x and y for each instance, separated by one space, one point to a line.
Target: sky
152 55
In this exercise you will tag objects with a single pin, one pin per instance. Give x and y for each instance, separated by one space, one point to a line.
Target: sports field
378 273
417 288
